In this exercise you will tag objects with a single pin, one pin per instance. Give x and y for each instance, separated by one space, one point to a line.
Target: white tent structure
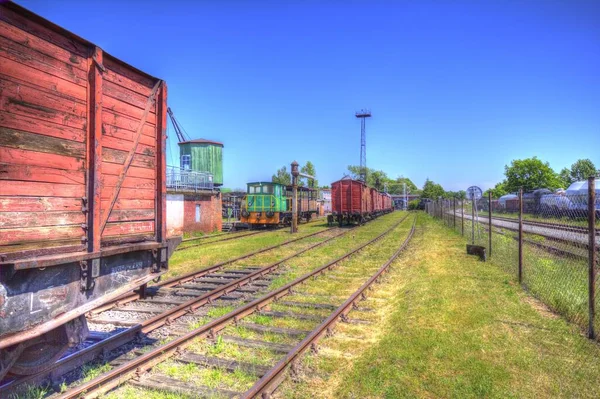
578 194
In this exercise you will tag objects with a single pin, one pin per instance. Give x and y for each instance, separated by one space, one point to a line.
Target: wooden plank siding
70 115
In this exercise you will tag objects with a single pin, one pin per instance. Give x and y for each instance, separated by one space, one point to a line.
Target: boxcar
377 201
82 191
349 201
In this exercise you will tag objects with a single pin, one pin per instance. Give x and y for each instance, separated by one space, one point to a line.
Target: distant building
326 200
194 202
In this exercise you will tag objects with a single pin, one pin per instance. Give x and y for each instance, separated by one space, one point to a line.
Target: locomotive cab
270 204
264 204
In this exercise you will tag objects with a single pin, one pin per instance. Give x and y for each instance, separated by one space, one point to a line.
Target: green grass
448 325
203 256
560 282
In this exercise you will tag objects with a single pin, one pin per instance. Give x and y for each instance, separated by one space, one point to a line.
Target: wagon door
131 167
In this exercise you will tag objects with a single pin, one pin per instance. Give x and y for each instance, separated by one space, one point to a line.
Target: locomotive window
186 162
252 189
268 189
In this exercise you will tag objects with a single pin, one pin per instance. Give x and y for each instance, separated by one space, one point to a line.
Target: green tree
375 178
282 176
414 204
531 174
582 169
497 191
397 186
461 195
309 169
565 177
432 190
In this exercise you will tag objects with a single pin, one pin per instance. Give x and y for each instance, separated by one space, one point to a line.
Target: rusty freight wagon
388 203
82 185
377 200
349 201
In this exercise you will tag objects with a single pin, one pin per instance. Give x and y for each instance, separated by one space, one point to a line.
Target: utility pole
363 114
295 175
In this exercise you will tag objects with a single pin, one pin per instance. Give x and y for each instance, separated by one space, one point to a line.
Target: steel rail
550 225
232 237
271 380
206 237
549 248
139 365
168 316
193 275
239 234
574 244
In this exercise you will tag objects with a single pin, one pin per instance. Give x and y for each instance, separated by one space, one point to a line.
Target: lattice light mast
363 114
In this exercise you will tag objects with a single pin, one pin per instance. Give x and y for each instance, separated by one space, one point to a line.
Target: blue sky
457 88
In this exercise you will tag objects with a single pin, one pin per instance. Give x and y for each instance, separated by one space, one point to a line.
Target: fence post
592 255
462 215
520 235
473 220
454 212
490 221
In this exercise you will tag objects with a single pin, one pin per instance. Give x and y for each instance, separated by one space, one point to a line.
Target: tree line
533 173
529 173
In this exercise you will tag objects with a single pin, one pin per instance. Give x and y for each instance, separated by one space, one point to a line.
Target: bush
414 204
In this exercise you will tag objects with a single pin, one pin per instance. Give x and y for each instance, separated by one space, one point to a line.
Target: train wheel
41 352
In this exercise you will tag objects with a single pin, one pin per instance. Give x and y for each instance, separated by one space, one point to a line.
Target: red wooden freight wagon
349 201
377 200
82 184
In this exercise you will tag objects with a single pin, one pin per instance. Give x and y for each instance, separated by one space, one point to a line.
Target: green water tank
203 155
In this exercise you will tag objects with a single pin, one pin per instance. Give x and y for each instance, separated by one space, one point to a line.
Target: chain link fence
548 241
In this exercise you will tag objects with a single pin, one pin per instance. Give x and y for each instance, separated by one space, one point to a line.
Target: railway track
556 226
126 369
174 299
569 254
197 274
227 236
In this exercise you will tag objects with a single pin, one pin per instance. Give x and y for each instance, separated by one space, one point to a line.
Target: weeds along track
174 304
154 352
221 237
175 281
213 239
119 322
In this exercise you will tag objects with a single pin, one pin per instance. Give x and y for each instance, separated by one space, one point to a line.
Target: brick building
193 205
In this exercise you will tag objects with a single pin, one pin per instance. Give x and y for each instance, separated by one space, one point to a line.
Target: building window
186 162
197 213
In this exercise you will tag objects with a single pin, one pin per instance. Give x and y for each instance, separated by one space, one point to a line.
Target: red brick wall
210 213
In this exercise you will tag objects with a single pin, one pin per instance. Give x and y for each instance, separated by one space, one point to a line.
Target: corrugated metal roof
202 141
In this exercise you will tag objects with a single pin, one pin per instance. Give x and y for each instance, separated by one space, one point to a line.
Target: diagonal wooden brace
129 159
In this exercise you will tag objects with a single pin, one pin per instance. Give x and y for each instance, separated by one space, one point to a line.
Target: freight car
352 201
270 204
82 186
